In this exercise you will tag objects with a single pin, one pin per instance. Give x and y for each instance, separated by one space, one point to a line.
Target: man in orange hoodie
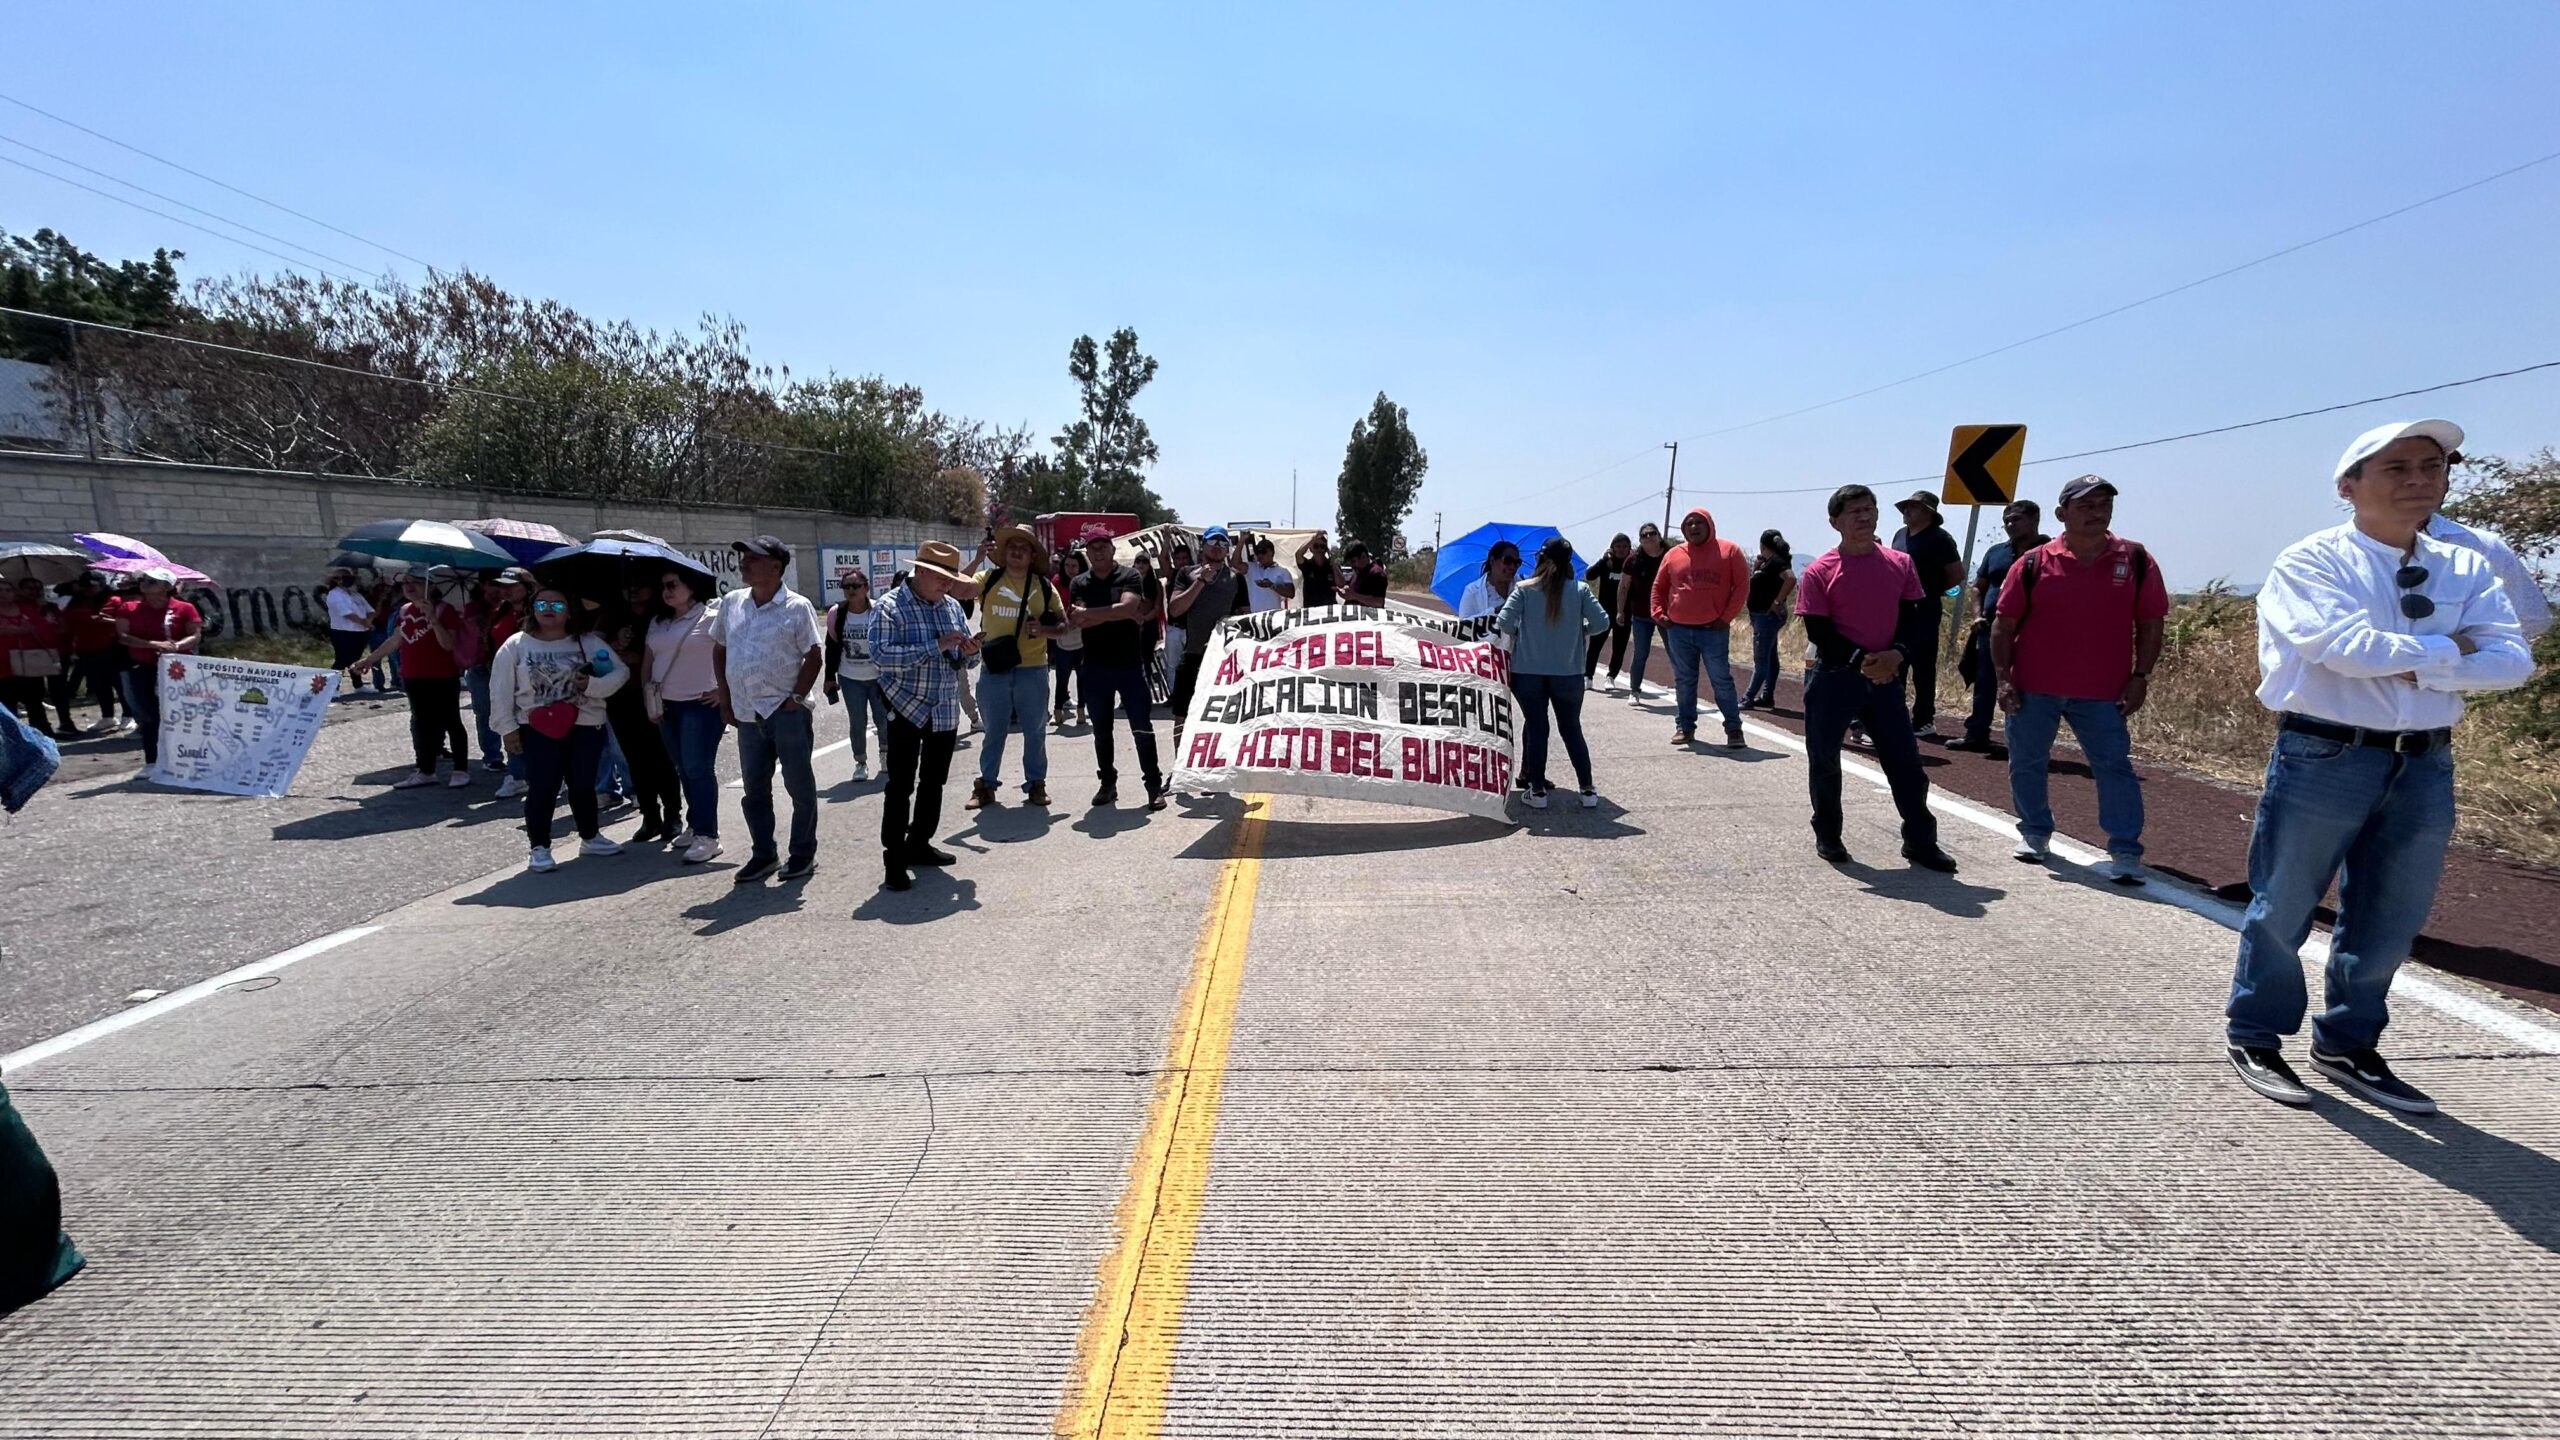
1699 589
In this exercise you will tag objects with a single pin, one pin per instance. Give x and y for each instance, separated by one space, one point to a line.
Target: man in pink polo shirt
1865 613
2077 634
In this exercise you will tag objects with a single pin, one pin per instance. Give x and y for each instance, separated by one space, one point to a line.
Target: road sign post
1982 469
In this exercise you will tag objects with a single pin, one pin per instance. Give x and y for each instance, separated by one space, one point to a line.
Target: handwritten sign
237 726
1390 704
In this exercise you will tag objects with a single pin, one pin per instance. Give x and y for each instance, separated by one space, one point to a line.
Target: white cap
2443 432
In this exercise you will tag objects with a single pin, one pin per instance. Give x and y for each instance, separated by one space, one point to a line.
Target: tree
1382 471
1105 454
46 272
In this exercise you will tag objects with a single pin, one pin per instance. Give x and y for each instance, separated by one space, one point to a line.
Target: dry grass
281 647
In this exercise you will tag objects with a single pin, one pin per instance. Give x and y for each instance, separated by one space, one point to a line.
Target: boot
982 794
1036 793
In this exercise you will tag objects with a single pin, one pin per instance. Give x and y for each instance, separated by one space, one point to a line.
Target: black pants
28 696
919 766
1126 687
346 647
546 762
435 718
1832 699
1186 677
1924 671
1616 640
653 775
103 672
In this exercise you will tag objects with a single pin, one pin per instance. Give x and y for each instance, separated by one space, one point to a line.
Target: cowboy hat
1011 533
940 559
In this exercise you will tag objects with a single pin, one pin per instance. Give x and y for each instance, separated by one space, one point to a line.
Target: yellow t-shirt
1000 602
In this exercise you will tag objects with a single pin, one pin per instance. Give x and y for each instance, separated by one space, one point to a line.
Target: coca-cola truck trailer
1060 529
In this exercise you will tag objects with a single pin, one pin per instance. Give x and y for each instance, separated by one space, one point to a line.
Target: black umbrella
599 568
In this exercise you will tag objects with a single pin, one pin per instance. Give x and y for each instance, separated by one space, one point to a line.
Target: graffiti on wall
258 610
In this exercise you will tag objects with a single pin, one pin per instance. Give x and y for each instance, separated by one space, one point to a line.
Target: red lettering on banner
1356 752
1359 647
1203 753
1487 662
1229 671
1456 764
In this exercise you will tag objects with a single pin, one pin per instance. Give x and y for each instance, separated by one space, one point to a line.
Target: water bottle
602 664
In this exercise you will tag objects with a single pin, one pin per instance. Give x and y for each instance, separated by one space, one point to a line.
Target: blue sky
1559 235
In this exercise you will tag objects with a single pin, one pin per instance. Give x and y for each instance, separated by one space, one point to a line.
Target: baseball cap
768 546
1094 531
517 575
2079 485
2362 448
1214 535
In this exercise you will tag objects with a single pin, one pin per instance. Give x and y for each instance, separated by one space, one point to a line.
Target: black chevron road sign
1982 464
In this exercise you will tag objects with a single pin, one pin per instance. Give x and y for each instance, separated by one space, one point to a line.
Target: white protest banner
237 726
1391 704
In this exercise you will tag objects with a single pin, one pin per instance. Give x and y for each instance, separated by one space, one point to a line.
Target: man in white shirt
1266 585
766 651
2368 633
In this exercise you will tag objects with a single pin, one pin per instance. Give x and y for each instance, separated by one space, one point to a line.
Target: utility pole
1674 447
1435 532
1293 497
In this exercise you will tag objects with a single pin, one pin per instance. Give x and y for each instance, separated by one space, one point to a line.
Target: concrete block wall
265 536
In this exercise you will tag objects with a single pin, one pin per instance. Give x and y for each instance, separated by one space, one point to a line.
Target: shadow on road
1004 825
1944 893
745 904
2519 1184
1103 822
938 893
582 877
386 810
1289 839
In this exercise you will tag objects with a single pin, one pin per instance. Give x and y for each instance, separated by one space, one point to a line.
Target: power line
210 180
450 385
177 220
2271 255
174 200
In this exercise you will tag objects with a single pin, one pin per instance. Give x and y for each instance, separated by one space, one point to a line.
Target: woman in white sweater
547 688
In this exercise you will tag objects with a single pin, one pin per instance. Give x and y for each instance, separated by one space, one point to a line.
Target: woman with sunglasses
684 690
851 674
1484 596
548 689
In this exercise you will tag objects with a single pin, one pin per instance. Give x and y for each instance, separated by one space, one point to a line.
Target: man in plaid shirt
920 641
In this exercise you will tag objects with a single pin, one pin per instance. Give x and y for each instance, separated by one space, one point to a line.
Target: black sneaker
1733 738
2366 1073
898 879
799 869
1930 857
927 855
1831 851
1109 794
2262 1069
756 869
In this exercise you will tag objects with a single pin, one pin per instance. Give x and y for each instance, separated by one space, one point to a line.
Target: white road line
97 1029
740 783
2434 994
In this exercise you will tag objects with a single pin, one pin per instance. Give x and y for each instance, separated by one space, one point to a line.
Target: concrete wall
266 536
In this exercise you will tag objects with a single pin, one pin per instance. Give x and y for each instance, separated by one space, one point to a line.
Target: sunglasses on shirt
2414 605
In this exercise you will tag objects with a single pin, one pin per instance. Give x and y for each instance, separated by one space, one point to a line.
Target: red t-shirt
93 624
1862 594
172 619
2078 638
422 656
27 629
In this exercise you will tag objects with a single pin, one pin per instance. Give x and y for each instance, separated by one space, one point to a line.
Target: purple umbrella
127 556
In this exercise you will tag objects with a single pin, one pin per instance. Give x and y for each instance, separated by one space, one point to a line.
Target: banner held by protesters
1388 704
239 727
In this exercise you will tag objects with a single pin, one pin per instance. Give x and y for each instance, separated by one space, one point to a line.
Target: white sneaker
540 860
600 845
2032 852
702 849
418 780
1534 799
682 842
511 787
2123 871
458 780
861 771
1636 700
1590 799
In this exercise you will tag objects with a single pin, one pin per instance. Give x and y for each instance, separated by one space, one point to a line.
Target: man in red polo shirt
2077 634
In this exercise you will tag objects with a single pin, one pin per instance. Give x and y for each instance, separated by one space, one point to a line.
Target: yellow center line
1124 1358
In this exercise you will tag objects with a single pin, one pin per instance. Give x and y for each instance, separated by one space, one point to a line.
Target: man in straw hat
2368 635
921 642
1018 615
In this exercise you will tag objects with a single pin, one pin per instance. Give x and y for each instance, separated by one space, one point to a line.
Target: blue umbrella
598 568
1461 561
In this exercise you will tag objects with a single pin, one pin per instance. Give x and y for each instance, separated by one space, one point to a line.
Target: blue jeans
2099 726
1017 698
493 754
782 738
1642 625
1536 693
1765 626
1986 692
1834 698
142 701
613 773
2376 821
692 730
1690 644
864 708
